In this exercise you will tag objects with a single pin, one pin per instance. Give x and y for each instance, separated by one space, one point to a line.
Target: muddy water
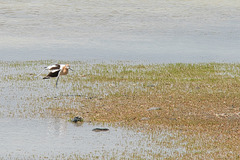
155 31
51 138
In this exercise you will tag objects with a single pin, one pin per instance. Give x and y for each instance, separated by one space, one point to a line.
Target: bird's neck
64 71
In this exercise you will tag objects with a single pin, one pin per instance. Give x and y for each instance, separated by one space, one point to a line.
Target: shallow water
145 31
51 138
29 130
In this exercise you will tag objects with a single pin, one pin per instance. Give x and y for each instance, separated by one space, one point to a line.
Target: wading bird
55 71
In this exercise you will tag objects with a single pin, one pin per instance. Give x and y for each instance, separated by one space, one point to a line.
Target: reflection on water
23 138
57 127
156 31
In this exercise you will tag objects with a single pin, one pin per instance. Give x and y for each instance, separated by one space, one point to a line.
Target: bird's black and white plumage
56 70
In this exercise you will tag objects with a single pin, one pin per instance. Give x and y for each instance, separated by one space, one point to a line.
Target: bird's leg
57 81
40 73
58 77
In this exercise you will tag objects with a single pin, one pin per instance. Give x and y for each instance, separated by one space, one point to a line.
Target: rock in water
77 119
100 129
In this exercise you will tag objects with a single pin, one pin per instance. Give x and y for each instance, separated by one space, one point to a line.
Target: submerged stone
100 129
77 119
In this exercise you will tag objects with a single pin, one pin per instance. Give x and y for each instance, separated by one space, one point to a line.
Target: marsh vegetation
198 102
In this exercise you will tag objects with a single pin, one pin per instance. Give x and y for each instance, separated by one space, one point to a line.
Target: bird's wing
54 70
53 67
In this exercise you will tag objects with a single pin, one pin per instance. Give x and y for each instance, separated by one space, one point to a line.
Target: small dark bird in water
56 70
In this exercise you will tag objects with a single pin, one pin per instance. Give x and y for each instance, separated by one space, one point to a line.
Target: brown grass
196 99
